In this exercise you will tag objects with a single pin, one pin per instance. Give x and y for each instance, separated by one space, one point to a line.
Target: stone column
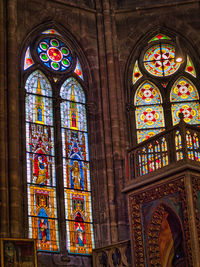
4 208
15 185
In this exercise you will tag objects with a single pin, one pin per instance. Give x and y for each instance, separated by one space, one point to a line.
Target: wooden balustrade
180 143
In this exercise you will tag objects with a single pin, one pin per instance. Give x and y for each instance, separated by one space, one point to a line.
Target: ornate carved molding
196 188
156 192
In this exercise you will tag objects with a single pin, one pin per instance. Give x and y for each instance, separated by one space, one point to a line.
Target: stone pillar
15 187
4 208
103 66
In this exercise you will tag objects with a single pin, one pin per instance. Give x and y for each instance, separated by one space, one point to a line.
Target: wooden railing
118 254
180 143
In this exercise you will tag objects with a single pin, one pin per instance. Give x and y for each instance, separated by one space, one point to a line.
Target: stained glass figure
76 171
190 67
40 158
78 69
159 37
54 54
136 73
28 60
147 94
183 90
51 31
159 60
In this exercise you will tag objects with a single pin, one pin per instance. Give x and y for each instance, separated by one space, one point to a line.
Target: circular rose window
159 60
54 54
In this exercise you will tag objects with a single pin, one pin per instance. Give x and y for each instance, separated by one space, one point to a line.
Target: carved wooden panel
145 242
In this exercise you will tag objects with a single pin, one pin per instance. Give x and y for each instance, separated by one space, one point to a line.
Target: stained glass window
51 31
159 60
54 56
190 67
28 60
76 168
149 111
40 156
159 37
78 69
136 73
184 98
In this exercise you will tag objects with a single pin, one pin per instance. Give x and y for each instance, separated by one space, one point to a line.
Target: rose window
54 54
159 60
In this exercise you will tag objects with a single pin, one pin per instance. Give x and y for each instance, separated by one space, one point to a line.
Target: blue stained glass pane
73 116
72 90
76 174
39 109
37 83
75 145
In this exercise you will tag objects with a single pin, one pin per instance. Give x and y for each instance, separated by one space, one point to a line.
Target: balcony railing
180 143
115 255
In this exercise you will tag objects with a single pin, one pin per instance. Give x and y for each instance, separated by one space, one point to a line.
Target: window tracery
51 55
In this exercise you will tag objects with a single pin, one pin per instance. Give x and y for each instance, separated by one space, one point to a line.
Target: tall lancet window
52 75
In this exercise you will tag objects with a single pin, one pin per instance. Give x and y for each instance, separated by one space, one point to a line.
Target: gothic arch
163 82
43 40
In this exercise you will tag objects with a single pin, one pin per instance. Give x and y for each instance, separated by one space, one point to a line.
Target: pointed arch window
155 75
46 64
149 111
185 99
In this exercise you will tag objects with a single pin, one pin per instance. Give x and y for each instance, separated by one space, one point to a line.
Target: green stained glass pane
191 111
149 117
183 90
159 37
65 62
147 94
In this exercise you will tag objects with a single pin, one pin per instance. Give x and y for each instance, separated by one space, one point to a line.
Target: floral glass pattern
149 111
184 97
159 60
76 169
54 54
136 73
40 157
